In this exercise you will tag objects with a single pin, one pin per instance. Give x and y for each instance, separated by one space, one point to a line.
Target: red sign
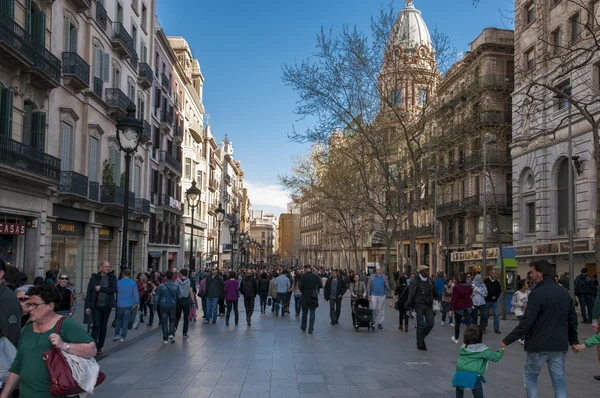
7 228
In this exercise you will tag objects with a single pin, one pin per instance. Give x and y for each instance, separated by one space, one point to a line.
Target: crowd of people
547 326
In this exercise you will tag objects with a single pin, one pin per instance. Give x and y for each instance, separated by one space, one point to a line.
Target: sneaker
497 332
455 340
443 323
149 325
99 352
165 341
185 336
214 322
115 338
122 339
171 339
522 341
206 321
380 326
452 324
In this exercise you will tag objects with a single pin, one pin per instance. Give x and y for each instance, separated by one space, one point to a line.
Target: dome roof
410 30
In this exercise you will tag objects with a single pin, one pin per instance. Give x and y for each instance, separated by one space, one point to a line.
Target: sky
242 46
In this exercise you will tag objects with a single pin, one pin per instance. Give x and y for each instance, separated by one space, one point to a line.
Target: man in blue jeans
215 289
491 301
547 335
167 295
128 298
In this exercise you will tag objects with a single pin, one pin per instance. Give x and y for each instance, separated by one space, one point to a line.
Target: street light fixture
129 133
193 198
220 215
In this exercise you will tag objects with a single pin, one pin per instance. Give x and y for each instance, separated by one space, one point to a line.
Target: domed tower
408 75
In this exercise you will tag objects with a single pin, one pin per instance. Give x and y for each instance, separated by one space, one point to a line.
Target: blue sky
242 45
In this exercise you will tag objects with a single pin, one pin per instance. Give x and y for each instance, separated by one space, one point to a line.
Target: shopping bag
437 306
138 318
8 352
132 318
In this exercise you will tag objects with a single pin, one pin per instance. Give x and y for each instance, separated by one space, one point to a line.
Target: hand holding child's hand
578 348
502 346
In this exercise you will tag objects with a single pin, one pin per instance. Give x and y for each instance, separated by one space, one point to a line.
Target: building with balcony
214 174
262 230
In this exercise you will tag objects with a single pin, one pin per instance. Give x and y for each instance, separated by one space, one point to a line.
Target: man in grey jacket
378 289
10 310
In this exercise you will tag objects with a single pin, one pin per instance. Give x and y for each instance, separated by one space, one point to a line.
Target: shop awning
508 258
155 254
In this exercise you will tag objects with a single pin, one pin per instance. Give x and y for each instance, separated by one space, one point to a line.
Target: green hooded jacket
474 358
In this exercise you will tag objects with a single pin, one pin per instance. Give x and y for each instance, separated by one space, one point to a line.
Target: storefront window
67 258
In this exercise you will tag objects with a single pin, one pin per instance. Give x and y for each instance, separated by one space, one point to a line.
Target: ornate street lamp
193 198
220 216
129 133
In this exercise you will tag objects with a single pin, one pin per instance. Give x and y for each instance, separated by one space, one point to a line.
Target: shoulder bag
62 382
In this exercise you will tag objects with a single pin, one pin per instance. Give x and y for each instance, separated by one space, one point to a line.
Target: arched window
562 198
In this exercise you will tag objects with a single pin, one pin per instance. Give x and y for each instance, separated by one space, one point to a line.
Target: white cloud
271 195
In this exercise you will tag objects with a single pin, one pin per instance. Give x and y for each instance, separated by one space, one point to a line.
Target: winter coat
461 297
584 285
92 294
474 358
421 293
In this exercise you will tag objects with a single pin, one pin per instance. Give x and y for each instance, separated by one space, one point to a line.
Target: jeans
249 307
288 300
479 311
167 320
477 391
586 300
183 305
204 307
263 301
311 324
424 314
281 300
458 316
494 307
211 308
445 310
298 303
378 306
122 321
221 306
335 307
236 313
556 366
100 317
151 309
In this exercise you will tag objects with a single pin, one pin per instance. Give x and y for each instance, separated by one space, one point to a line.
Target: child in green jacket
472 363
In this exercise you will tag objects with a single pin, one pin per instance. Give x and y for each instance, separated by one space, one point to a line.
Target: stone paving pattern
273 358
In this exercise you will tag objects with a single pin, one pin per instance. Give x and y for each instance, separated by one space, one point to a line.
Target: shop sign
105 234
524 250
474 255
9 228
174 203
544 249
172 256
68 228
578 246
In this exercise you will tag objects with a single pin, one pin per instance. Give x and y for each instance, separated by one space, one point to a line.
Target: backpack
248 288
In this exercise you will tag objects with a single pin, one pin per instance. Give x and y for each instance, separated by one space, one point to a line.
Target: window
397 99
199 178
115 161
137 181
556 40
34 127
134 36
188 168
562 101
422 97
144 17
530 218
529 59
156 59
70 35
119 13
131 91
141 107
530 16
575 28
6 111
101 64
143 52
116 77
262 234
94 148
66 146
562 180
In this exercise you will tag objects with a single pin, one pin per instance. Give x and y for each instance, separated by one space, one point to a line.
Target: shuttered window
38 131
115 160
94 149
66 146
6 111
137 187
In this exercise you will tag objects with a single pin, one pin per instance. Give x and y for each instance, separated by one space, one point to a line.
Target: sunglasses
24 298
63 279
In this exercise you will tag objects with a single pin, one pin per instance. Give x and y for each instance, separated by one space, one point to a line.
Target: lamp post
193 197
232 230
434 262
129 132
247 249
220 215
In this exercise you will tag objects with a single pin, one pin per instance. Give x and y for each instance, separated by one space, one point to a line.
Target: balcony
21 157
166 82
495 81
166 121
166 160
46 68
474 204
94 191
112 194
212 208
145 76
166 201
117 102
72 183
227 179
147 133
98 88
213 163
493 159
142 206
81 5
75 71
15 43
101 16
451 169
213 185
123 42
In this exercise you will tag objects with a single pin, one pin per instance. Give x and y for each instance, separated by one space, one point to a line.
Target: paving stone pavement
273 358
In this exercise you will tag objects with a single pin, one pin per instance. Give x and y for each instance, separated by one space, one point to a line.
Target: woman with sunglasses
68 302
23 297
28 371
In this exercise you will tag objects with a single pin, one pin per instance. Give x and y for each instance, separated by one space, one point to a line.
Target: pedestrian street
274 358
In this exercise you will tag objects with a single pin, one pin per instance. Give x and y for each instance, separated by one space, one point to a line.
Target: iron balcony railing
122 36
475 204
142 206
166 157
167 117
131 200
112 194
492 157
15 36
74 65
494 81
47 63
73 183
147 133
145 71
117 99
94 191
16 154
101 15
165 81
98 88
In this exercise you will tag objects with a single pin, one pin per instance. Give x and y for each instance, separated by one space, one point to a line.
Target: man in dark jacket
334 291
215 290
100 300
309 285
584 290
249 289
10 310
421 294
491 301
549 326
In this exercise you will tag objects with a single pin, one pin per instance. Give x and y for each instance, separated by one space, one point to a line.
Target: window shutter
105 67
38 127
38 32
93 172
97 63
68 33
66 140
28 16
7 8
6 111
74 34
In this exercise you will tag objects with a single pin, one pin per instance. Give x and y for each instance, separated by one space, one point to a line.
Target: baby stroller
363 316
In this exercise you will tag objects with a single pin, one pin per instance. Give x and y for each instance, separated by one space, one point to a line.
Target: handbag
437 307
61 377
269 301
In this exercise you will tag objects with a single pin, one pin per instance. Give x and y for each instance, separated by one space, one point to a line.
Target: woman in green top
28 371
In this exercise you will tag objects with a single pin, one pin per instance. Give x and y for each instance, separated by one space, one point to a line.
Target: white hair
24 288
378 267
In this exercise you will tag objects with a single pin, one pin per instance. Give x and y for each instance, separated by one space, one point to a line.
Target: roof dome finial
410 30
409 3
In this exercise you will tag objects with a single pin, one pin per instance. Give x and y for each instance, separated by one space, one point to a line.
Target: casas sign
7 228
